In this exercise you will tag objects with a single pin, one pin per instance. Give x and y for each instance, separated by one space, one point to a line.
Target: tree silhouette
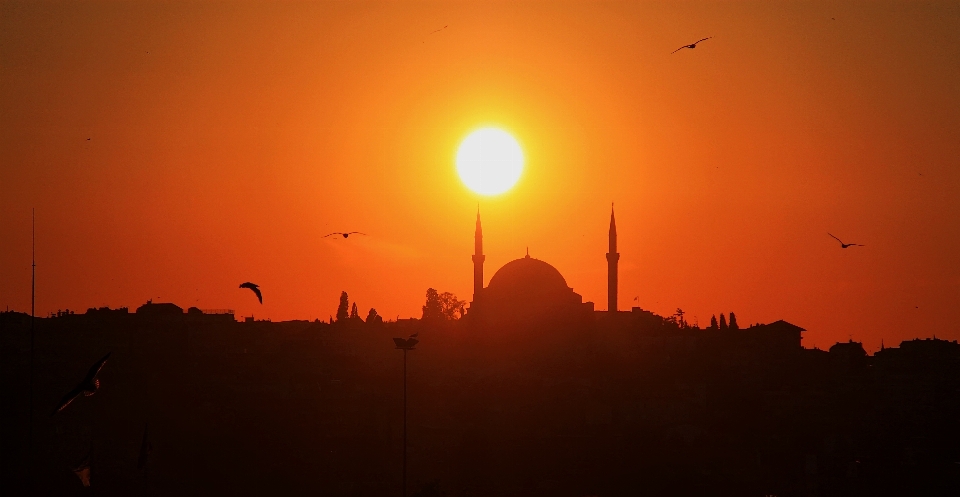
442 306
723 322
679 315
373 317
344 305
713 322
733 322
451 307
354 314
432 309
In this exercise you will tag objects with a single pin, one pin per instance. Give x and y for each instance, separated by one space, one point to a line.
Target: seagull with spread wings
256 289
345 235
845 245
692 45
87 387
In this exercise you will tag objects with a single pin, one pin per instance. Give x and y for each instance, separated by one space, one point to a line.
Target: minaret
478 258
612 258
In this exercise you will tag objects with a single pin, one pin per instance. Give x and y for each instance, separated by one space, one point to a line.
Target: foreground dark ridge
630 403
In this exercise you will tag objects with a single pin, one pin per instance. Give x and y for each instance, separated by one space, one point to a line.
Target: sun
489 161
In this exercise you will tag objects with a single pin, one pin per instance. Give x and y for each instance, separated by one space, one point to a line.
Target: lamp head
406 343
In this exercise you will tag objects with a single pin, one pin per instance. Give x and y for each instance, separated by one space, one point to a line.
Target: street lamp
405 344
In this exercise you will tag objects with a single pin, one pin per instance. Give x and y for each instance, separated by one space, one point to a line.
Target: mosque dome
528 288
528 275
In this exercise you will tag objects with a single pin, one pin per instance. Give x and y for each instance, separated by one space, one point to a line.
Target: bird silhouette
845 245
415 335
345 235
256 289
692 45
87 387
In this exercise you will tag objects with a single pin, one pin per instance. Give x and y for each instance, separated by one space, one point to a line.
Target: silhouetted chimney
612 258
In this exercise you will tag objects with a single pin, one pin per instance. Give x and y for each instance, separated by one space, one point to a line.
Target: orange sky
227 138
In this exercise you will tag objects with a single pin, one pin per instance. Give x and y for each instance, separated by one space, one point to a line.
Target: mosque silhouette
529 289
529 293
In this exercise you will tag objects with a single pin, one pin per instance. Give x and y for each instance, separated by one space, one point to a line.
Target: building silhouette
524 290
478 259
613 259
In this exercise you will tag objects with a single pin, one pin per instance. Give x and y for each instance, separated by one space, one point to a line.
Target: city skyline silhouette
730 161
479 248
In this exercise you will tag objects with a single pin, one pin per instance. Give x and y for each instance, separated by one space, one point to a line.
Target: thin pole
33 301
404 493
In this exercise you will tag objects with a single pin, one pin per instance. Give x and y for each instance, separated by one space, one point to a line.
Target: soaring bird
345 235
692 45
256 289
845 245
87 387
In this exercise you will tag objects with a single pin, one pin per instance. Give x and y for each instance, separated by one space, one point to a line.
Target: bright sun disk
489 161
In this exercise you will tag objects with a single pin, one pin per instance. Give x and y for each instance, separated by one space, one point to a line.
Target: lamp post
405 344
33 303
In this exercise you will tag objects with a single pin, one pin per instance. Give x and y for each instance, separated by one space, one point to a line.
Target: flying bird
692 45
87 387
845 245
345 235
415 335
256 289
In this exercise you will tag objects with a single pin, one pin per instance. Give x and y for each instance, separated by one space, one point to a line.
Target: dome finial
528 252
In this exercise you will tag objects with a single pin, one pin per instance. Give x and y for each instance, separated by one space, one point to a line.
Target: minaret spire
612 259
478 259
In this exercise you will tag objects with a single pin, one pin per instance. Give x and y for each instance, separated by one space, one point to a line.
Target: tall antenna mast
33 301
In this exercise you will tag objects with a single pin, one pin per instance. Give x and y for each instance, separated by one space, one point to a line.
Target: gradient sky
225 139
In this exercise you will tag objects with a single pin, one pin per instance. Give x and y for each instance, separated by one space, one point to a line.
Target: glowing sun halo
489 161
